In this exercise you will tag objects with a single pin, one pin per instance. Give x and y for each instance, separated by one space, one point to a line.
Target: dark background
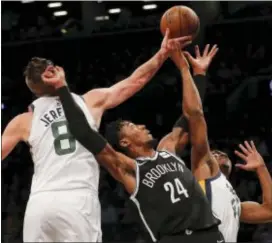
100 53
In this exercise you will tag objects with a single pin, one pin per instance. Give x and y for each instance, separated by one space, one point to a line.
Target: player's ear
124 143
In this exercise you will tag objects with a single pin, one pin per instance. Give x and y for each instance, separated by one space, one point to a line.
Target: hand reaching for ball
201 63
170 45
54 76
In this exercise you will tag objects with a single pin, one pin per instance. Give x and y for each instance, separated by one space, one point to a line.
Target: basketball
181 21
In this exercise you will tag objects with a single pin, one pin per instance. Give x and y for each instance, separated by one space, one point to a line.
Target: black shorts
211 235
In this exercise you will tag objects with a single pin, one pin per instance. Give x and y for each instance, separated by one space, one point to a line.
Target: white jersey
60 162
225 203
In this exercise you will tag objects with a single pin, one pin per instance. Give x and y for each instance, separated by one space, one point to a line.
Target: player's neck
143 152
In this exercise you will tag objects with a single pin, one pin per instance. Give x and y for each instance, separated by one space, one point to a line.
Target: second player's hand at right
54 76
201 63
251 156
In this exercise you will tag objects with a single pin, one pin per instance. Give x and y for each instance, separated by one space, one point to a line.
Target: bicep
167 143
11 137
255 213
174 141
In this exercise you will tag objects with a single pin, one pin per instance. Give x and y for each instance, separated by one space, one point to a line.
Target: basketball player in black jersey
170 201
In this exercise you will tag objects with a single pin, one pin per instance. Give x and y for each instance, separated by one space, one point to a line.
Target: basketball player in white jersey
63 205
225 203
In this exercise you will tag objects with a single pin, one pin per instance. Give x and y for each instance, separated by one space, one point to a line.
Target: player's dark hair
112 134
35 67
219 152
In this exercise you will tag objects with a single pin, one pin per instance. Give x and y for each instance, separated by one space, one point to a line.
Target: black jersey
169 199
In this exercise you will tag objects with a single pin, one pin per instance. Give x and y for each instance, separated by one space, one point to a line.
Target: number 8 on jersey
64 142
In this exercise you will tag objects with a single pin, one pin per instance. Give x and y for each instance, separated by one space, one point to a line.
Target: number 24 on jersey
176 189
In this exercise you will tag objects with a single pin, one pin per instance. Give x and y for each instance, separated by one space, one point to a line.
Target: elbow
192 112
269 208
192 108
268 211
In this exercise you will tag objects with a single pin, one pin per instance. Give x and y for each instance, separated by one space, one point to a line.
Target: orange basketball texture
181 21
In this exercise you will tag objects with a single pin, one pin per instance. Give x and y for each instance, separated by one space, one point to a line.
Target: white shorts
63 216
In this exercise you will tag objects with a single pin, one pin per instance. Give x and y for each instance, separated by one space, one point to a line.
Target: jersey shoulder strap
165 154
207 184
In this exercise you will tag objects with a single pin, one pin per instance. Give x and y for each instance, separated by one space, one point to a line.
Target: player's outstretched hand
201 63
54 76
168 45
250 155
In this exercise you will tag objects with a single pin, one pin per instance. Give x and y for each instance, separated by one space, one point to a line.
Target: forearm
147 70
191 99
266 185
201 85
78 124
123 90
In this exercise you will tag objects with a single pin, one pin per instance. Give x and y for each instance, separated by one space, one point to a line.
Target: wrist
184 69
163 53
62 89
261 167
199 72
60 85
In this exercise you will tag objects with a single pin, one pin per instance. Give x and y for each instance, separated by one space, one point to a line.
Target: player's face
39 89
223 161
132 134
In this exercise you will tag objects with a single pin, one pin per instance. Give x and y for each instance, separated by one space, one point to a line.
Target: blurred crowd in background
238 103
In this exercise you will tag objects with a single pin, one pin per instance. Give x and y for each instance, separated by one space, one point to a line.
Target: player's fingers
240 166
243 149
166 36
206 50
48 80
177 46
183 38
182 45
248 146
47 74
253 145
212 49
188 56
239 154
214 53
60 70
49 68
197 52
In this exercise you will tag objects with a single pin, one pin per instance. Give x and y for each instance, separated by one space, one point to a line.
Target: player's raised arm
203 163
116 163
178 138
253 212
107 98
